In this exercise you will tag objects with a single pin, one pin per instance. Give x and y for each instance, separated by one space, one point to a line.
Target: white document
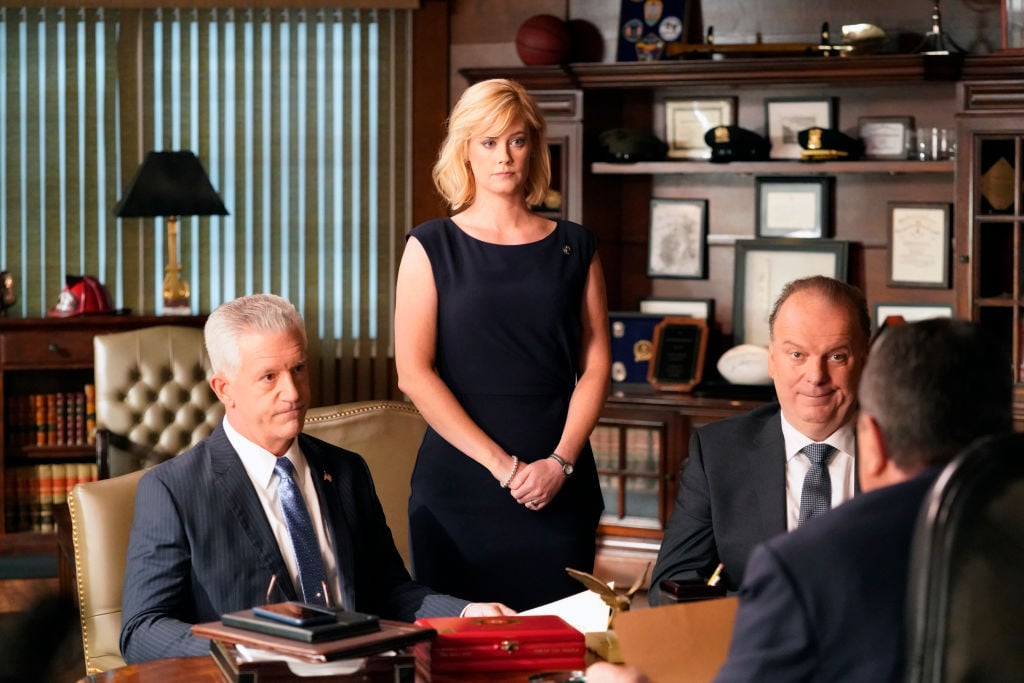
586 611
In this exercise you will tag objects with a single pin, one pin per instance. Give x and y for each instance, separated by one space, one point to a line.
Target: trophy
7 297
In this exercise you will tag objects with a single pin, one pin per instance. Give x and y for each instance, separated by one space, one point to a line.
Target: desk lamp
171 184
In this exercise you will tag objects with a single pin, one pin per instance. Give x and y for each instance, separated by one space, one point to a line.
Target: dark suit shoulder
888 514
751 421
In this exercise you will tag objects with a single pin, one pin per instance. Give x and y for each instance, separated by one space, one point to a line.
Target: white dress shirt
842 469
259 465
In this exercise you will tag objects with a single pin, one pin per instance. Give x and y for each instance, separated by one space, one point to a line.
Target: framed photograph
686 122
679 347
910 312
793 207
886 137
678 238
689 308
919 245
787 116
764 266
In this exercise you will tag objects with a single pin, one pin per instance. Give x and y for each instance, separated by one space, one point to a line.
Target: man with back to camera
212 528
828 601
744 478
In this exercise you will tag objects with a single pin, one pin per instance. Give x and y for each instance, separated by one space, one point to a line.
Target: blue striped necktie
816 496
300 528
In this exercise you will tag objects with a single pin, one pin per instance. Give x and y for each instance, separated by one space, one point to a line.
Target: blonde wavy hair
487 109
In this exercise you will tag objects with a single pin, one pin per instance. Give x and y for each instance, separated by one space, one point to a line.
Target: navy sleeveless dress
508 342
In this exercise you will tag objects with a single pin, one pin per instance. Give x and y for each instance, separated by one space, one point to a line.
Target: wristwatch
567 467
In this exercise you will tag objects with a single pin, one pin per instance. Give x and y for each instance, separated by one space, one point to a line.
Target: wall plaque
679 347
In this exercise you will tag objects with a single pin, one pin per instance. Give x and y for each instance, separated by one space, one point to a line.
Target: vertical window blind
301 119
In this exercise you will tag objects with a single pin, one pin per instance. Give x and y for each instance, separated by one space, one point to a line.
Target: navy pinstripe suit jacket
201 546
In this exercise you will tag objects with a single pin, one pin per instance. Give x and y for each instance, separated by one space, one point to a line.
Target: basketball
543 39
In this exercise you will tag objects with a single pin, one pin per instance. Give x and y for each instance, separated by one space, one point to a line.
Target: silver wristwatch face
567 467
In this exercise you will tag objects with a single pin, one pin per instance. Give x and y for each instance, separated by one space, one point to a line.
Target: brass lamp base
176 292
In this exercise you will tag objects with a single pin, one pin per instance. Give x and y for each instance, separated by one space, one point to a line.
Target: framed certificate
764 266
793 207
919 244
785 117
886 137
909 312
685 307
686 122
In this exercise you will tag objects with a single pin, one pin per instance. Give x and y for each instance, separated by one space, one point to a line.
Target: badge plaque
646 27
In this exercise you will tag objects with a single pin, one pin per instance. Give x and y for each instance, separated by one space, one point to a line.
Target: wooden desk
204 670
192 669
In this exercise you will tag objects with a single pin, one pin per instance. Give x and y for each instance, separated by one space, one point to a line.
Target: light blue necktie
300 528
816 496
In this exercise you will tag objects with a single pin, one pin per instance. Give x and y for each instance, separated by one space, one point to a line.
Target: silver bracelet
512 474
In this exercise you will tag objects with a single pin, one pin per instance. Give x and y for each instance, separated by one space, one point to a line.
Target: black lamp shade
170 184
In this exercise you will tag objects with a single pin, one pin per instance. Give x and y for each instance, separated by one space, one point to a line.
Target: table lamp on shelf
171 184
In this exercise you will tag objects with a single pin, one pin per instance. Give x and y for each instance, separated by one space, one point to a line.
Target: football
745 364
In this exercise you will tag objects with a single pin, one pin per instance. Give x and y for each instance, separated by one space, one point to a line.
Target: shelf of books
49 448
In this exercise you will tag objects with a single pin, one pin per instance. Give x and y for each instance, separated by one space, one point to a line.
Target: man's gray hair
254 313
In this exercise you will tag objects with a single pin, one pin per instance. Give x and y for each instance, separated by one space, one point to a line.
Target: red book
489 644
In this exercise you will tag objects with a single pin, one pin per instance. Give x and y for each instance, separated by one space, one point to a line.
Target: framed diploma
886 137
785 117
686 121
793 207
919 244
764 266
679 347
684 307
909 312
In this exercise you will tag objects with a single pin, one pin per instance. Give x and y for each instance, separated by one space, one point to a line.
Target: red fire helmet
81 295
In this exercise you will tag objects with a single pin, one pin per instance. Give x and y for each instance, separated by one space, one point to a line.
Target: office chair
153 399
101 519
967 560
387 434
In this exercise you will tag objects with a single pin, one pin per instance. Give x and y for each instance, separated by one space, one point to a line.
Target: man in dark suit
743 479
827 601
212 528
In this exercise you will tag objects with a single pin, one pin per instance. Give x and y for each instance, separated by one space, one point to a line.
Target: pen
713 581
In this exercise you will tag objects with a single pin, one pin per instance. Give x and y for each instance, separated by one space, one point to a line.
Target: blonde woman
502 343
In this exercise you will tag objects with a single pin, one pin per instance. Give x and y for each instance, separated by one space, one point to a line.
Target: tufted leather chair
387 434
153 399
101 517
